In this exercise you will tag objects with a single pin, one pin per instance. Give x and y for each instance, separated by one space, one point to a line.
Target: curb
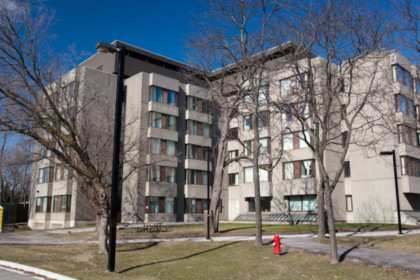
34 270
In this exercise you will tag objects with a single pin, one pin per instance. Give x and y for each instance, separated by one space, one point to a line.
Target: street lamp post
120 50
388 153
208 193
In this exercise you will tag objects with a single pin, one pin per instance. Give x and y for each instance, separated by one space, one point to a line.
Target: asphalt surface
7 273
304 242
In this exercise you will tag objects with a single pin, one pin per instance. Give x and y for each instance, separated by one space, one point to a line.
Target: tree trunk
321 211
102 232
218 174
331 225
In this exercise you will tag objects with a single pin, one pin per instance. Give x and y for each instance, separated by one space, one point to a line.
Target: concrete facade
167 111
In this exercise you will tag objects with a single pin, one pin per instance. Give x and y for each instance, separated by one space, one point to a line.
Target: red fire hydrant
276 244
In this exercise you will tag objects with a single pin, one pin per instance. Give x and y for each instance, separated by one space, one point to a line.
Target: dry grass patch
178 260
409 244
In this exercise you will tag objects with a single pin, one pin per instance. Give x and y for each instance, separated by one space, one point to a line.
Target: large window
233 154
296 140
43 204
164 96
197 104
61 173
163 121
287 141
62 203
249 174
162 147
402 76
233 179
160 204
291 84
45 174
285 86
407 135
347 171
196 177
410 166
196 152
299 169
195 205
264 144
263 119
302 203
404 105
286 115
248 147
265 203
162 174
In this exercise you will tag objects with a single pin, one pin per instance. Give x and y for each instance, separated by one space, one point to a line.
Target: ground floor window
302 203
264 201
349 203
155 204
62 203
195 205
43 204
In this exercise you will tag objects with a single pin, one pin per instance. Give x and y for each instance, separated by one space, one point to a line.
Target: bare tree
235 36
342 93
69 115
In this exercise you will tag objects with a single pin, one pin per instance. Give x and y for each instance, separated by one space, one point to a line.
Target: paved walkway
304 242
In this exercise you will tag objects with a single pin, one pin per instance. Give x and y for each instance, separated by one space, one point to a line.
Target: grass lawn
409 244
177 260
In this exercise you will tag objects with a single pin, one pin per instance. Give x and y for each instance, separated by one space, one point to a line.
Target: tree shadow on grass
152 244
177 259
235 229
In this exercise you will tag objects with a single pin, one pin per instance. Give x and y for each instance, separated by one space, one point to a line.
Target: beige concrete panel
195 191
196 164
163 108
410 184
197 116
160 217
60 188
162 160
153 132
193 217
197 91
163 82
299 186
235 168
160 189
197 140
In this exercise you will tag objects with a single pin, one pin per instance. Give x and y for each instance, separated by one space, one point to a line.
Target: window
195 205
171 122
402 76
262 119
404 105
170 174
301 81
288 172
172 96
61 173
44 152
192 151
305 168
262 96
196 177
301 203
248 122
285 87
265 204
156 149
248 147
234 179
299 169
286 115
156 120
233 154
204 178
263 145
248 96
302 136
43 204
193 103
287 141
303 110
407 135
410 166
160 204
206 130
249 174
155 173
347 172
45 174
233 132
170 148
62 203
193 129
157 94
349 203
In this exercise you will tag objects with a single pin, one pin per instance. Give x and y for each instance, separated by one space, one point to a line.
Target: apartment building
168 112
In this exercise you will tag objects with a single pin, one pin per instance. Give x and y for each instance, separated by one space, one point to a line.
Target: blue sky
158 26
